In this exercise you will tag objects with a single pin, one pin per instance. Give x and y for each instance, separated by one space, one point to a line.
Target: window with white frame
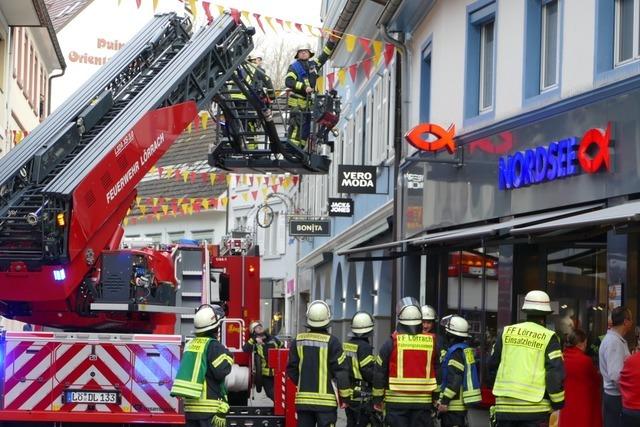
347 143
358 141
205 236
378 116
627 33
368 140
386 131
333 169
175 236
155 237
487 48
271 236
550 45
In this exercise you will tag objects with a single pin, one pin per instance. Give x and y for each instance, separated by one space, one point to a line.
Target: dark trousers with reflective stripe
317 418
396 417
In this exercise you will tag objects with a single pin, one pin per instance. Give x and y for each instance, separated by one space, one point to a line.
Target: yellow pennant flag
185 175
350 42
205 203
189 127
220 9
224 201
128 211
287 182
245 179
212 178
155 201
155 5
310 29
245 15
169 171
125 221
204 119
152 170
320 84
289 25
143 209
265 191
165 209
194 9
138 200
229 178
185 208
342 76
270 22
377 51
157 217
192 200
245 196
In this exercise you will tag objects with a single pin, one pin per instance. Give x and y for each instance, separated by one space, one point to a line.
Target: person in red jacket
582 385
630 390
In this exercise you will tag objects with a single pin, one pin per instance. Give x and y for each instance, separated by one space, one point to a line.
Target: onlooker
613 351
582 382
630 389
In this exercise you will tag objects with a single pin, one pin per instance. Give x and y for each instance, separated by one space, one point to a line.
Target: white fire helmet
306 46
208 317
428 313
361 323
318 314
456 325
409 312
537 301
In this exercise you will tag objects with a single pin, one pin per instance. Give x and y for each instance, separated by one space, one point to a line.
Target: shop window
617 41
471 290
425 84
480 63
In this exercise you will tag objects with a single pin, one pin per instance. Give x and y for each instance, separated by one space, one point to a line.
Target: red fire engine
109 354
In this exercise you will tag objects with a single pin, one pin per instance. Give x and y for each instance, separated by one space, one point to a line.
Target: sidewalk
477 417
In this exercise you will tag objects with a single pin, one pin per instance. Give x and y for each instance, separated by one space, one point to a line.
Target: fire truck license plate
90 396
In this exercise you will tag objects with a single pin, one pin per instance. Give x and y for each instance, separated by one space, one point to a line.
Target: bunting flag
245 196
353 72
207 10
295 179
270 22
254 194
259 21
377 51
138 3
204 119
330 80
212 178
229 178
194 9
366 64
155 5
389 51
342 76
350 42
366 44
235 14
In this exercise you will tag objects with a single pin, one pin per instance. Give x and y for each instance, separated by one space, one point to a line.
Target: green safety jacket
530 372
200 379
315 359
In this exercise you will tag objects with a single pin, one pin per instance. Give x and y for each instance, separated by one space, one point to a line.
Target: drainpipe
403 61
51 77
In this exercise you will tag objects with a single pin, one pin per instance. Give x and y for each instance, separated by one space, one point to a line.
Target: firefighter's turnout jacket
361 363
406 377
200 379
263 351
528 368
315 358
460 384
302 74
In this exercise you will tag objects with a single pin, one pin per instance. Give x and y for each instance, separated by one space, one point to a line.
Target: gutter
345 18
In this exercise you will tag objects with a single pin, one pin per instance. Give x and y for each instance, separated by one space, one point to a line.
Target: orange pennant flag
212 178
204 119
342 76
377 51
270 22
350 42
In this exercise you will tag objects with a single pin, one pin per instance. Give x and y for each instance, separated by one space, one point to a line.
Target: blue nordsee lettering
537 165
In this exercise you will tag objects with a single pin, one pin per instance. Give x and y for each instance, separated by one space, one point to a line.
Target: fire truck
112 315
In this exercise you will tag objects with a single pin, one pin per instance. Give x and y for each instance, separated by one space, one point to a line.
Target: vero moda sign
356 179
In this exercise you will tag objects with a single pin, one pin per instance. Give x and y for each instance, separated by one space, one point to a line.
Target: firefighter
429 319
315 359
261 80
260 342
361 362
406 377
301 81
527 368
205 364
460 385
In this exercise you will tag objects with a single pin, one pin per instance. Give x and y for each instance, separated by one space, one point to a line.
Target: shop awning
467 233
621 213
487 230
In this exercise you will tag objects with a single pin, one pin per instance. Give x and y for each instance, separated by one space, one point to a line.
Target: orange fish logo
444 137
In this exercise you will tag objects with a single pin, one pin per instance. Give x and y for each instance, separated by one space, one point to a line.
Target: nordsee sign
302 227
356 179
560 159
341 207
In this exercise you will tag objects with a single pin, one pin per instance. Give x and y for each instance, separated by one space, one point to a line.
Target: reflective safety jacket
263 351
315 359
407 376
460 383
200 379
361 363
530 372
303 74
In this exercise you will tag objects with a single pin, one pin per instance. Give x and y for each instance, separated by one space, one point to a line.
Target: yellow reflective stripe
377 392
557 397
350 347
412 381
366 360
506 404
344 393
456 405
184 392
555 354
326 50
221 359
411 387
395 397
379 360
292 75
449 393
299 85
341 358
456 364
186 384
309 398
322 370
301 357
471 396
